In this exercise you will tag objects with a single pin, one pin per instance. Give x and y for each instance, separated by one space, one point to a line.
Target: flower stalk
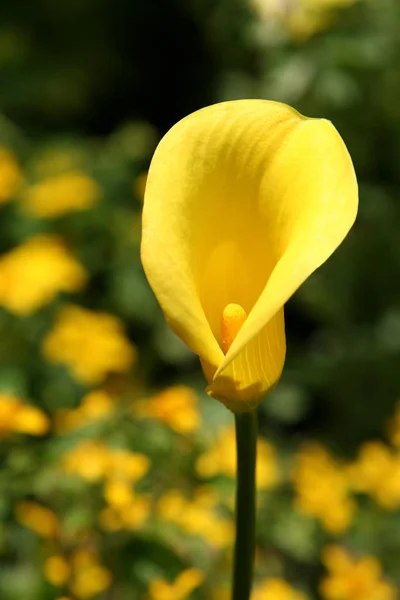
246 441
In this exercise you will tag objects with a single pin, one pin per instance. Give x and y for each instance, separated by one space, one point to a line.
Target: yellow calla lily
244 200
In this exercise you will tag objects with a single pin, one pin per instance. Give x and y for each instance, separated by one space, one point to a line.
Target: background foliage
117 472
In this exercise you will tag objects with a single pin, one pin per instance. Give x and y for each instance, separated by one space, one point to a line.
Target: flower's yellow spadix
244 200
232 319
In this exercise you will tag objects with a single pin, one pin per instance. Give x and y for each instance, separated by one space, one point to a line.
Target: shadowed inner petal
234 269
235 225
235 246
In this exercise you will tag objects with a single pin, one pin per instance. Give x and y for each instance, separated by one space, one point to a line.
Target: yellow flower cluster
272 588
197 516
301 18
322 488
121 469
38 518
32 274
10 175
276 589
126 510
93 461
376 472
61 194
15 416
82 572
56 569
180 589
91 344
175 406
95 405
221 459
353 578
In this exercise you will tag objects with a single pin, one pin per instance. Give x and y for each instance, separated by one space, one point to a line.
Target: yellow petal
244 200
254 372
313 179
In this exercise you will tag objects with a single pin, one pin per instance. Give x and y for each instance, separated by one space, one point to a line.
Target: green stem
246 441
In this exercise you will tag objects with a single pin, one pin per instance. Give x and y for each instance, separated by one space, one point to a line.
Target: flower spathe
244 200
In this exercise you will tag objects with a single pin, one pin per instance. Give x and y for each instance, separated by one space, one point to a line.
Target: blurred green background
117 471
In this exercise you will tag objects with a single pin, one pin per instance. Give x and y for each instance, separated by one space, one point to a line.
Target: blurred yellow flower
61 194
244 200
204 522
135 513
96 405
323 489
22 418
131 515
300 18
93 461
180 589
118 493
176 406
56 570
276 589
83 557
353 579
38 518
171 505
221 459
91 344
197 517
377 472
89 460
128 465
32 274
10 175
89 576
110 519
91 581
221 592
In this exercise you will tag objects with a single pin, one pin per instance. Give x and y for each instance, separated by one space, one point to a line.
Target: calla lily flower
244 200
